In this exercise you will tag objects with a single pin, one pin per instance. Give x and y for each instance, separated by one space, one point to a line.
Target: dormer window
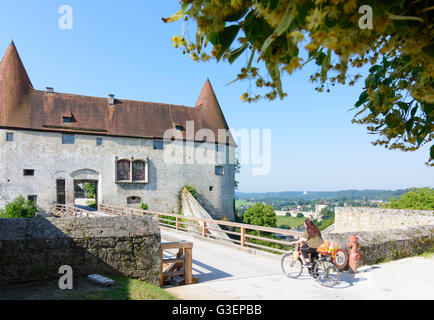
67 119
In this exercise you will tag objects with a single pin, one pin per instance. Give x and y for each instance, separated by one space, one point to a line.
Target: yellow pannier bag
328 247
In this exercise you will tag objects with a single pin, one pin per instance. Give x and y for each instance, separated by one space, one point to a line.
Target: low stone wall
378 246
34 249
354 219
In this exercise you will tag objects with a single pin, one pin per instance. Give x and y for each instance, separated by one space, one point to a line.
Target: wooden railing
180 265
62 210
238 233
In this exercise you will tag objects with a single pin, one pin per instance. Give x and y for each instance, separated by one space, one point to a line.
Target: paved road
228 273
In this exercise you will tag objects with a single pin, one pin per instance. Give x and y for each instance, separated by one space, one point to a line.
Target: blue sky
123 47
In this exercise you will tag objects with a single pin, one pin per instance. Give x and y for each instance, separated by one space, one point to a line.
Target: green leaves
286 21
260 215
363 98
178 15
224 39
400 50
233 55
19 208
256 29
416 199
273 70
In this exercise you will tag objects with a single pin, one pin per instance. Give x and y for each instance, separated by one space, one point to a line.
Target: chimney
50 90
111 98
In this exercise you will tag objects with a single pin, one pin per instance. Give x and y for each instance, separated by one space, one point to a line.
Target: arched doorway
85 189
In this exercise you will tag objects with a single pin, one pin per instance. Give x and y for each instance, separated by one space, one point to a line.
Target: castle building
318 207
51 142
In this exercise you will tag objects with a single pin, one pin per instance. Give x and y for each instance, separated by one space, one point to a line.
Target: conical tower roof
210 109
12 71
14 82
208 99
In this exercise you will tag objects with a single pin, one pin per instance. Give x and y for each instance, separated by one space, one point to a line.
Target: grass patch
289 221
427 254
92 204
123 289
244 203
127 289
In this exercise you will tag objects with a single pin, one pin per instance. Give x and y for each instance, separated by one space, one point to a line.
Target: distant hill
343 195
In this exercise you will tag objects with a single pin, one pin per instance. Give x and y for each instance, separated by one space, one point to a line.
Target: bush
192 190
300 215
90 189
144 206
19 208
416 199
260 215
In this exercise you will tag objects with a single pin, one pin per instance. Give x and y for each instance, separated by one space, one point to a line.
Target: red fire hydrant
354 256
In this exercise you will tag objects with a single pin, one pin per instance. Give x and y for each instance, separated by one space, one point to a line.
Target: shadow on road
204 271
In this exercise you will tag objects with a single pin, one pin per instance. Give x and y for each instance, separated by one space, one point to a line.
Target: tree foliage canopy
418 199
281 36
19 208
260 215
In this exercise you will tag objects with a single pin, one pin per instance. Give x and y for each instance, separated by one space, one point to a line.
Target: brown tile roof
23 107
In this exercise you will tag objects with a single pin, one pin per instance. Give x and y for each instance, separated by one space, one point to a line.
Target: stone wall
34 249
392 244
355 219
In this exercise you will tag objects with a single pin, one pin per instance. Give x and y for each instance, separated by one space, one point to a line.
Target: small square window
68 139
67 119
28 172
211 188
9 136
98 141
158 145
219 170
32 198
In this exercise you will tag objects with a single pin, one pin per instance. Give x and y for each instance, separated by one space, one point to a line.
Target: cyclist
309 241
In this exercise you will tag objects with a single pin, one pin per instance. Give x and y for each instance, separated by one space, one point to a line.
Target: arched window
123 170
140 171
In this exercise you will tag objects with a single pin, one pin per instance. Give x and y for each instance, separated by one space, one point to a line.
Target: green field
239 203
289 221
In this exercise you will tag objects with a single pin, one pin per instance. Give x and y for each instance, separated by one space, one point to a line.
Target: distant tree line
289 197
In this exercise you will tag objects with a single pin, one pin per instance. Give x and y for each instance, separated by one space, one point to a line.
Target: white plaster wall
51 160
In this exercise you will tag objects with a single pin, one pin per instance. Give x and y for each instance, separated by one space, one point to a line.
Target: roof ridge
126 100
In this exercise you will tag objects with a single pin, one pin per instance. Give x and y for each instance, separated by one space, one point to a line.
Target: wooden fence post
188 265
243 238
161 269
177 223
204 231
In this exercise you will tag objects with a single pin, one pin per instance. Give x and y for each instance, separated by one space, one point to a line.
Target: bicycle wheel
291 267
327 274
